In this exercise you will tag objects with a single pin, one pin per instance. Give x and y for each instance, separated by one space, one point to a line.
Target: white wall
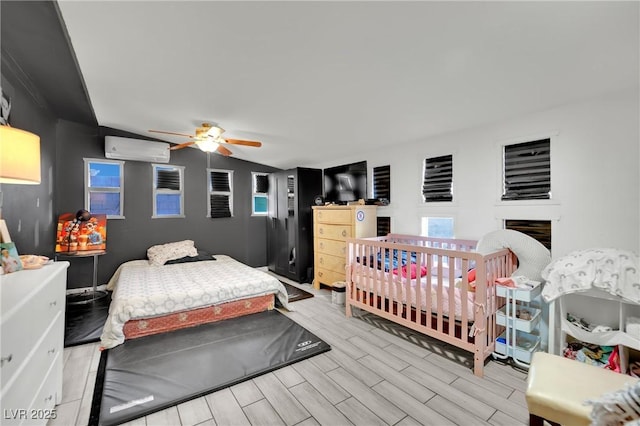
595 176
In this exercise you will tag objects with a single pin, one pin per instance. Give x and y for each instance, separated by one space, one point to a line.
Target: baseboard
85 289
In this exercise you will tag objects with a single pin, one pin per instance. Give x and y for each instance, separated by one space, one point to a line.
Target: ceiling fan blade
171 133
182 145
224 151
243 142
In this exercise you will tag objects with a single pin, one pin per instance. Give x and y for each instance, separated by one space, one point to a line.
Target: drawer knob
321 260
320 273
49 398
51 351
6 359
321 231
54 303
321 245
344 233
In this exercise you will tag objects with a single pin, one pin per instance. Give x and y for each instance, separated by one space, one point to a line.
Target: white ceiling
317 80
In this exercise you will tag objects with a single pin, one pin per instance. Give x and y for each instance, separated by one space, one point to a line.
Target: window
527 171
259 198
538 229
382 182
437 183
104 187
168 191
437 227
383 225
220 193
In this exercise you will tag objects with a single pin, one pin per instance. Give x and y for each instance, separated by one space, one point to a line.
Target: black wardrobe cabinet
290 224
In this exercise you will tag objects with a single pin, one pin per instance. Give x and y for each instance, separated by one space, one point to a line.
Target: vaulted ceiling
317 80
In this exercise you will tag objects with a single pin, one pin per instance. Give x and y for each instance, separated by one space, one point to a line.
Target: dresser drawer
334 232
332 263
42 406
334 247
334 216
21 330
327 276
19 392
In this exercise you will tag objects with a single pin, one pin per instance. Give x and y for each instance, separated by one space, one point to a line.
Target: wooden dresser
332 225
32 339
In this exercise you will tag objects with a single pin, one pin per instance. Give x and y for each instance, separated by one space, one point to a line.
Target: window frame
255 194
88 190
156 191
211 192
503 167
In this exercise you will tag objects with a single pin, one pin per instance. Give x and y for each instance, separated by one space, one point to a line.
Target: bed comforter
141 290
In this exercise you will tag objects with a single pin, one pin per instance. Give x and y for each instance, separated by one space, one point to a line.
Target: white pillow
159 254
532 255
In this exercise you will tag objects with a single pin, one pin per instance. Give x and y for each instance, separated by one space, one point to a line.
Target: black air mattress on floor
84 321
151 373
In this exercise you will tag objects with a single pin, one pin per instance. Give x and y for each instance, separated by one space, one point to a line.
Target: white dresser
32 339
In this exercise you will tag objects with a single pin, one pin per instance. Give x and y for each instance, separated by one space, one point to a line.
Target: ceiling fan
208 137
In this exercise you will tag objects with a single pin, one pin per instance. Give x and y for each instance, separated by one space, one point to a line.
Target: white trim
120 189
156 191
553 137
257 194
210 192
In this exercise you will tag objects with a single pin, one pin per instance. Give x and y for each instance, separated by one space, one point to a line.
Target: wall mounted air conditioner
135 149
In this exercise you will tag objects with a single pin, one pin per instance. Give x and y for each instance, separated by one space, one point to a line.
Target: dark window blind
384 225
220 182
527 171
382 182
220 206
262 184
538 229
168 179
438 179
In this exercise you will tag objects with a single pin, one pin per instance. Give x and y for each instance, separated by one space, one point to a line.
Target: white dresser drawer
21 331
18 393
41 408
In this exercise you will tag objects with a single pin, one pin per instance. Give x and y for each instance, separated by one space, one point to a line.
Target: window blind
168 179
220 206
220 182
383 225
382 182
538 229
438 179
527 171
262 184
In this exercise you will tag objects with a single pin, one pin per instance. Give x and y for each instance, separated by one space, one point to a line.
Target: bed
150 299
439 287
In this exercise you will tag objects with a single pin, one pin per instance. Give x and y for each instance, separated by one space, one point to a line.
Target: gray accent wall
48 98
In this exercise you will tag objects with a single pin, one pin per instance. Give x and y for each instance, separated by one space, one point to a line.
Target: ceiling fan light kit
209 138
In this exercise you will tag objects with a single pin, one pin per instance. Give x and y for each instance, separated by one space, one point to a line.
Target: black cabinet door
289 236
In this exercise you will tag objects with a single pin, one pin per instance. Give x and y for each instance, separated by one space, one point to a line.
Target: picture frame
78 237
9 258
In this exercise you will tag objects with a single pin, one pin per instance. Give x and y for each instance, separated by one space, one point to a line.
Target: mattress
143 291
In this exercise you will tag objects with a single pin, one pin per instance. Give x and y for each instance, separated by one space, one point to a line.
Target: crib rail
423 283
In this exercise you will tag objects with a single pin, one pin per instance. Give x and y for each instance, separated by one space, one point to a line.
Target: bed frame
446 261
164 323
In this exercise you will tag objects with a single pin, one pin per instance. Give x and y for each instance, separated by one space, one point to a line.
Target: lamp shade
19 156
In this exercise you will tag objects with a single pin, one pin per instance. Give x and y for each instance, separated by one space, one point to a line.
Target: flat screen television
345 183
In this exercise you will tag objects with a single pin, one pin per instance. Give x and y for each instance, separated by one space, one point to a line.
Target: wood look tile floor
377 373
